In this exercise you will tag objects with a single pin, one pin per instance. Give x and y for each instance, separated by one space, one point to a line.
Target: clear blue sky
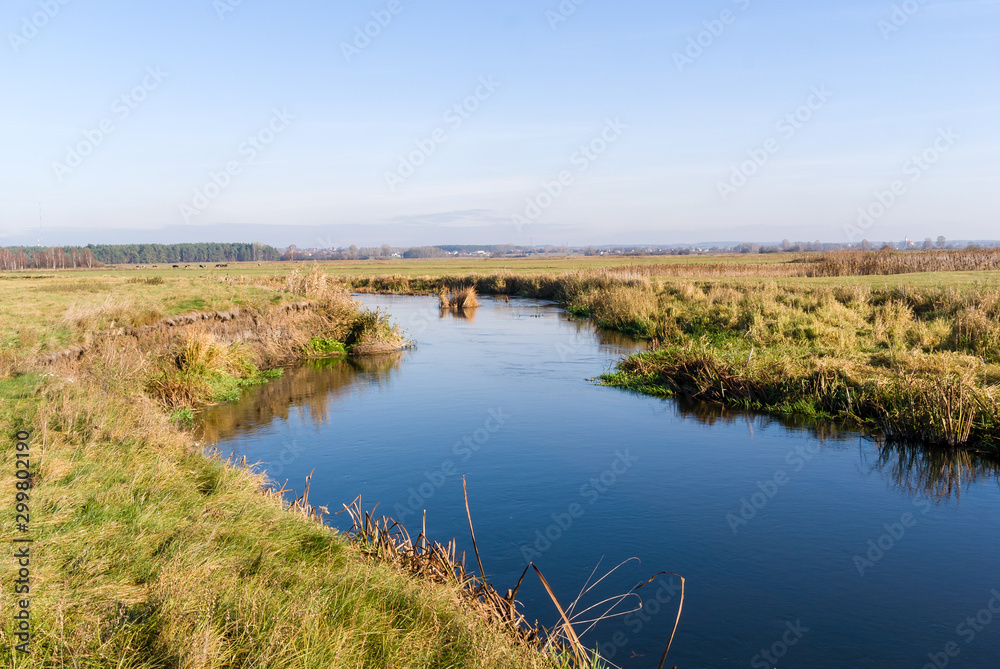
678 127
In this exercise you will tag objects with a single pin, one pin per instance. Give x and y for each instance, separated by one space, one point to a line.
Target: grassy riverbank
149 554
904 345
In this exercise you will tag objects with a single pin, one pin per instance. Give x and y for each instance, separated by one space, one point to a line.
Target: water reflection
715 414
607 338
460 314
935 473
314 387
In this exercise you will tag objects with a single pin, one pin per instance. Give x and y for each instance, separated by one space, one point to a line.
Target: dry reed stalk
387 539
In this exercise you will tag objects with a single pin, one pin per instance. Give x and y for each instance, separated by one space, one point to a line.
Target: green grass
19 387
189 304
183 417
324 346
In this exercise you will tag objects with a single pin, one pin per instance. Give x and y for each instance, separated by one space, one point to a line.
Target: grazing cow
176 266
201 266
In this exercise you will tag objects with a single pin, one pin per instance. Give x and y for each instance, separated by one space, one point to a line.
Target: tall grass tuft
201 371
459 299
202 355
373 332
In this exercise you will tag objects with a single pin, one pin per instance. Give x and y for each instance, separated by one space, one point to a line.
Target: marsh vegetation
835 338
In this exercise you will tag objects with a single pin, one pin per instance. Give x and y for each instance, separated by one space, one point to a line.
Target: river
801 545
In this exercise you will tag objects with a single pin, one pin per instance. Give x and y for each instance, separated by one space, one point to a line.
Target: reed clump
459 299
373 333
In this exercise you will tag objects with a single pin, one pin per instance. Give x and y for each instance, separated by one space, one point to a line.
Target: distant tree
941 241
866 245
928 244
785 245
425 252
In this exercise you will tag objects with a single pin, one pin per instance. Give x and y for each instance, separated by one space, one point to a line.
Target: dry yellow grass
460 299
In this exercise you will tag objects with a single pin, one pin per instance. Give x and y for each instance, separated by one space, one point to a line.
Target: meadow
151 554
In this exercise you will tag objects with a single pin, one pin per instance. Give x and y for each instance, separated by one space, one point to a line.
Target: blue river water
801 546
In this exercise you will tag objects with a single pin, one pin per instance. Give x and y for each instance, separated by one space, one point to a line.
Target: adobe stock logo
894 533
698 43
363 35
900 16
561 14
121 109
786 127
769 657
582 159
31 25
592 491
220 180
914 168
454 116
223 7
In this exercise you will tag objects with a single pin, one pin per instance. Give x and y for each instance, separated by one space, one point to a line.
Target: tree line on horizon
97 255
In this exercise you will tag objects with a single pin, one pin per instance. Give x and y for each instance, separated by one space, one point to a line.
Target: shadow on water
460 314
608 338
938 474
311 387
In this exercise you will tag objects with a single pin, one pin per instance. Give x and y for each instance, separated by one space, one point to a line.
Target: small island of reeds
459 299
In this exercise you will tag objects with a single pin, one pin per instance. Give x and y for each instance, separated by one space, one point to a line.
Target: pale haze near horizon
668 98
